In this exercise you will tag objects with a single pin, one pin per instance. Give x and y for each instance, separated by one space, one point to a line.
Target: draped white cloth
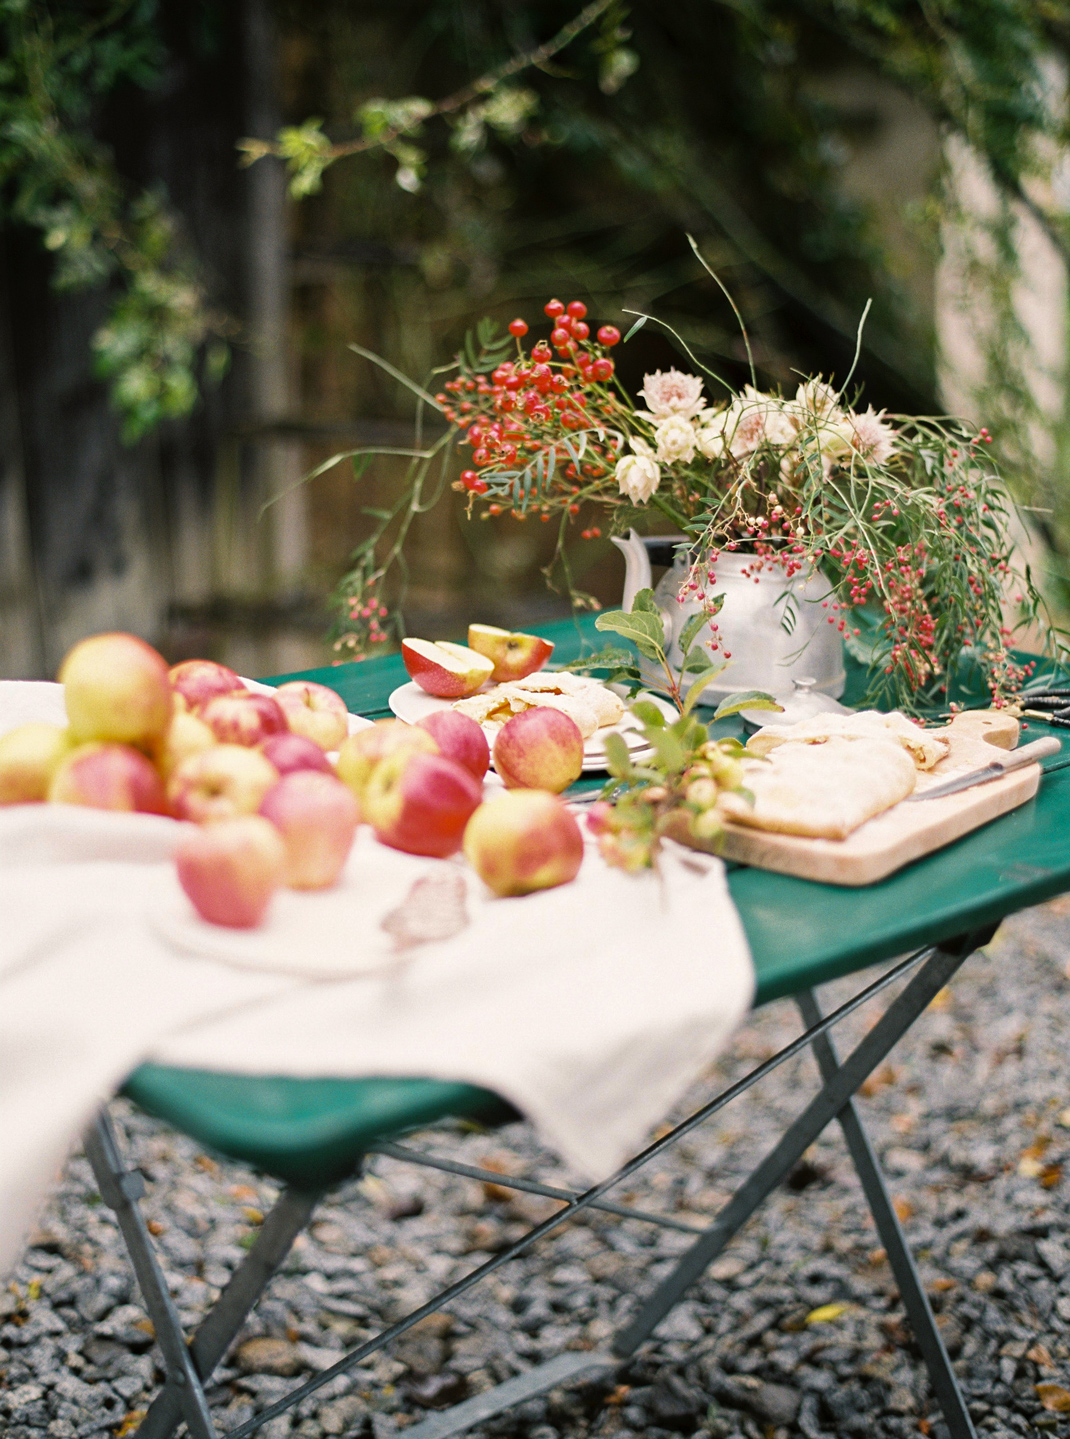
591 1007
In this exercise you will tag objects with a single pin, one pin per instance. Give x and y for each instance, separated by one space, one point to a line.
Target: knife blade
1012 760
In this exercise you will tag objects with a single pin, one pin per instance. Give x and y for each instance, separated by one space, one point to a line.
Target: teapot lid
803 702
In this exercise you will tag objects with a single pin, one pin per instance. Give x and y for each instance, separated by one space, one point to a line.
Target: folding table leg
915 1300
120 1189
217 1330
822 1109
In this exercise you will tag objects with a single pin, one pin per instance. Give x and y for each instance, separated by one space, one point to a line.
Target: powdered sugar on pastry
924 747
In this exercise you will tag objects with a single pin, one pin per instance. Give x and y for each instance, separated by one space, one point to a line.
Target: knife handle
1028 753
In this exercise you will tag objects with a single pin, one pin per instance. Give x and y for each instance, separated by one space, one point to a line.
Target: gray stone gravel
971 1116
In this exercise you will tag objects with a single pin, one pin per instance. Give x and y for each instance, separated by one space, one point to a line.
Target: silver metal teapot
775 629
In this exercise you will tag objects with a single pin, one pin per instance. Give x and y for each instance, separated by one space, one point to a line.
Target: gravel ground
796 1329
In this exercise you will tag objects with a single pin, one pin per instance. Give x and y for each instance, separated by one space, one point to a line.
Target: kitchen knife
1012 759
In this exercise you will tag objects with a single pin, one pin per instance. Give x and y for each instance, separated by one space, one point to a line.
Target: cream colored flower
866 435
638 476
710 439
672 393
675 438
755 419
872 436
817 399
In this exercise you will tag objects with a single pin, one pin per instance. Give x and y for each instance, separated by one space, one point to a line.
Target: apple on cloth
459 738
444 669
420 803
315 711
523 840
195 682
540 748
106 963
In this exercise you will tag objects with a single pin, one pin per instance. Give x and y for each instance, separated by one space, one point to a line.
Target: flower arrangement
907 518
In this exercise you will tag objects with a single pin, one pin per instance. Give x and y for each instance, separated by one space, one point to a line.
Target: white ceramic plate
410 703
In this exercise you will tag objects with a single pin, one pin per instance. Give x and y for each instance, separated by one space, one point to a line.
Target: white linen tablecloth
591 1007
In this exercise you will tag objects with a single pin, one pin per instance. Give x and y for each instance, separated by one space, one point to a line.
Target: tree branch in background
386 123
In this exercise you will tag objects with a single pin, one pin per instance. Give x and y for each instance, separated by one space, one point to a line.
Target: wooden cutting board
907 830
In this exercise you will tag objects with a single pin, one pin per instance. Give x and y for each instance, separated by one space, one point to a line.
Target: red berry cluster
519 419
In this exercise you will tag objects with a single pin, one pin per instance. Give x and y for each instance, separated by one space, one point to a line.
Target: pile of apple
254 772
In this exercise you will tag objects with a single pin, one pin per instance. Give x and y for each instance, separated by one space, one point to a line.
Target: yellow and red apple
220 783
522 841
314 711
459 738
420 803
29 757
514 656
244 717
195 682
289 752
362 751
108 776
317 817
117 689
446 670
187 735
231 869
539 748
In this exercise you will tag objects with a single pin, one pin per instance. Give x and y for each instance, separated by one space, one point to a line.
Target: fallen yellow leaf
825 1313
1054 1397
130 1423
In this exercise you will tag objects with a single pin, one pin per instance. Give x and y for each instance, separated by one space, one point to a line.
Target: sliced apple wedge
446 670
514 657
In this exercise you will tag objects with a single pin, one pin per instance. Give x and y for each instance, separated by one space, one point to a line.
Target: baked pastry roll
825 790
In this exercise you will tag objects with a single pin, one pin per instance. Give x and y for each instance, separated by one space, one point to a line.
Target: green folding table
313 1133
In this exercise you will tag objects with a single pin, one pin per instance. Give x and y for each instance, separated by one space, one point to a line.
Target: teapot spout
637 573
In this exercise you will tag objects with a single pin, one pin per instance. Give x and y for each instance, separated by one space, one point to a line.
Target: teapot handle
637 573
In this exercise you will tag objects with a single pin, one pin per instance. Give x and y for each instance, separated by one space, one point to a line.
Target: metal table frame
189 1364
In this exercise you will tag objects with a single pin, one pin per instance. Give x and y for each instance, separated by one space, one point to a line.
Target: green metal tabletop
801 933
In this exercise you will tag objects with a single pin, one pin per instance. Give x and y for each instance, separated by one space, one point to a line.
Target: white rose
675 439
709 441
638 476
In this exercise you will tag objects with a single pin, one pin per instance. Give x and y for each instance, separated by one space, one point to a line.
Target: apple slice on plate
445 670
514 656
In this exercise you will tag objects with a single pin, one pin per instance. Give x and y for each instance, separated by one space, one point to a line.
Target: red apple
187 735
195 682
362 751
29 757
317 817
459 738
220 783
243 717
108 776
231 869
314 711
523 840
444 669
289 752
513 656
116 688
420 803
540 748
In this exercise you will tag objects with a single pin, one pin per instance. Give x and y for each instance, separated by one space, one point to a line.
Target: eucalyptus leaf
747 700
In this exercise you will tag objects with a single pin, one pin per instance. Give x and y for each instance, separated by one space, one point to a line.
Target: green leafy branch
63 183
487 103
